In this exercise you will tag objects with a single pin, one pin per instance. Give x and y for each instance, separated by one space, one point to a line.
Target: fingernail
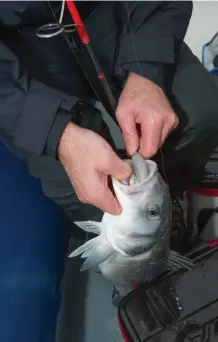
144 154
131 150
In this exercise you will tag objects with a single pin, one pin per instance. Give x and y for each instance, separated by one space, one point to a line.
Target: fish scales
134 247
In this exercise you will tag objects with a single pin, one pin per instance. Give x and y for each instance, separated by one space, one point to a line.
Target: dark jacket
39 79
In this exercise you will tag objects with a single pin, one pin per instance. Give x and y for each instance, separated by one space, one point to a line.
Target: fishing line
140 70
177 202
62 12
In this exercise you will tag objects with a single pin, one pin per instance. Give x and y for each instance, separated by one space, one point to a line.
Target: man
166 99
139 43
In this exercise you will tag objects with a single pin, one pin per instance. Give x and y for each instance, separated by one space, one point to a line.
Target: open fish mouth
139 176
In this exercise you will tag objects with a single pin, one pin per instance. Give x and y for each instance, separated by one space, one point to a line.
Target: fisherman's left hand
143 103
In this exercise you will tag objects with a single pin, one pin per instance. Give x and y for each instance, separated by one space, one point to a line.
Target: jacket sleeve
32 115
151 33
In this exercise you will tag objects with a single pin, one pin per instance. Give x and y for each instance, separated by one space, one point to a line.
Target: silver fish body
134 247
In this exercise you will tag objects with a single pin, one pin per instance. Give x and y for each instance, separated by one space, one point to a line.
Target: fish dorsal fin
177 261
90 226
96 251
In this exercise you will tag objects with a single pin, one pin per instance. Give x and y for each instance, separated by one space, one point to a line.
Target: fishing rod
85 39
54 29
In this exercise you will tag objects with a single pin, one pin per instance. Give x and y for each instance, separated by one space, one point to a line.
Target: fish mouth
152 166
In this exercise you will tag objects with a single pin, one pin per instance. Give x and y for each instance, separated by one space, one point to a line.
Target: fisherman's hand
88 160
144 104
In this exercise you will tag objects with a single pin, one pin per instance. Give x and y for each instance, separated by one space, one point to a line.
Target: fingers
151 130
169 126
154 131
115 167
128 126
98 194
107 201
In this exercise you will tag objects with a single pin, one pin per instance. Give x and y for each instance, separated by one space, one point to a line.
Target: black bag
181 306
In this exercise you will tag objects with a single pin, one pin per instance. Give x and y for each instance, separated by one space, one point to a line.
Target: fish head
144 198
140 235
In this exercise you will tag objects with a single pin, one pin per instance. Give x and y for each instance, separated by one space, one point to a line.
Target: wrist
137 85
155 72
140 81
63 117
65 141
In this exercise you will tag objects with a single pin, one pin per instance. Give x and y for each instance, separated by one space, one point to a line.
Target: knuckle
121 113
173 120
174 116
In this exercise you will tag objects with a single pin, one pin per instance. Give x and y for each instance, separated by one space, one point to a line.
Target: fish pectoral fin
95 250
84 249
177 261
100 252
90 226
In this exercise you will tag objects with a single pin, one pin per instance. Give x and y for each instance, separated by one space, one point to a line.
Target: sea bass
134 247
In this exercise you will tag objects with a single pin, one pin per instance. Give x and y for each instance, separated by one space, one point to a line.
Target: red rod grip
78 21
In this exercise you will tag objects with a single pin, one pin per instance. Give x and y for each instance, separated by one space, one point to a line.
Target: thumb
111 204
104 198
127 124
116 167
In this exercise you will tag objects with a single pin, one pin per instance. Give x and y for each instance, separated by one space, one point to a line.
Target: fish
134 246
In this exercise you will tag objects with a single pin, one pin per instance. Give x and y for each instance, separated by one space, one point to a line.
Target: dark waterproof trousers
194 96
33 246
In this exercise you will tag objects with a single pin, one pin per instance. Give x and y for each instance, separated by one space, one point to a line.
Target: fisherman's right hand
88 160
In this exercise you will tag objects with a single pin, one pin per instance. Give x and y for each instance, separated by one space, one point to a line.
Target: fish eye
154 211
